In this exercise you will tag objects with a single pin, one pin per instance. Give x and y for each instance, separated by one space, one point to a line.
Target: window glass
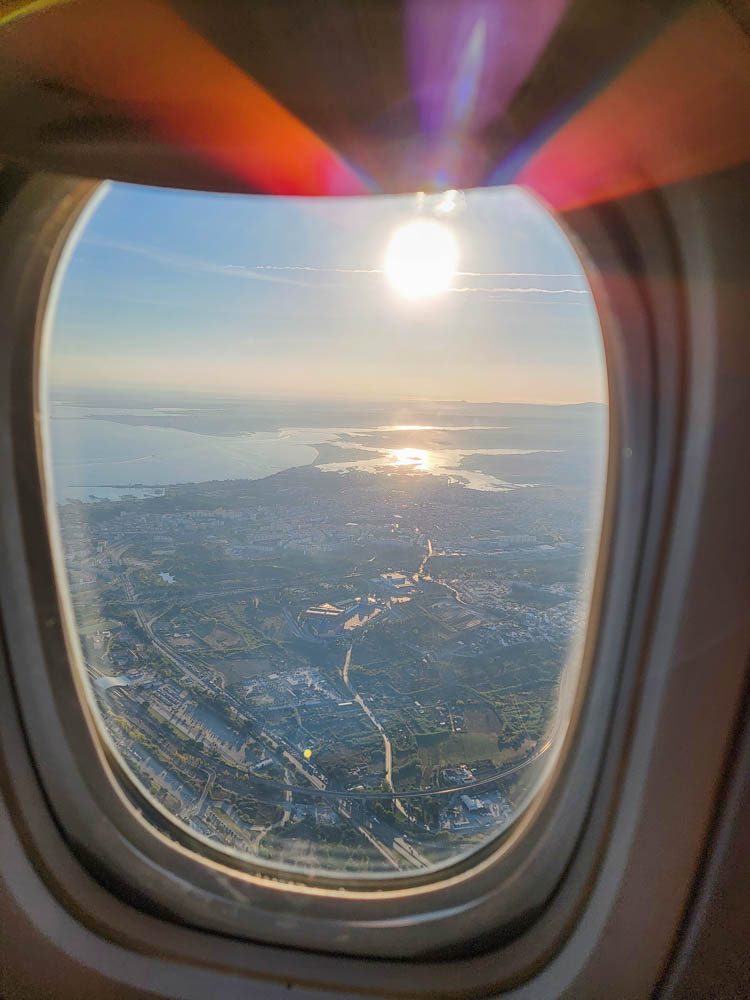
327 476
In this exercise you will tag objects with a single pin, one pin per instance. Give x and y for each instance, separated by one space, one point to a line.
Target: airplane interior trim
626 875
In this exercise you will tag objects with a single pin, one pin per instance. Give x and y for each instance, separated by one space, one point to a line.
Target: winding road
387 748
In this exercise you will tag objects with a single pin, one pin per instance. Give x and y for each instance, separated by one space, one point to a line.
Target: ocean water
105 452
105 459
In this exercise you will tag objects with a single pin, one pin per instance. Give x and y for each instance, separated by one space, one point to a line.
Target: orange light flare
141 58
680 109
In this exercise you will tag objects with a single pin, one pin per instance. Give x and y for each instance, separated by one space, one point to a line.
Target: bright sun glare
421 258
415 459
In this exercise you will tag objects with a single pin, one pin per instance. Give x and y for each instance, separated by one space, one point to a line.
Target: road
420 574
183 661
287 752
399 847
285 816
410 853
566 686
204 793
376 842
347 664
387 749
416 794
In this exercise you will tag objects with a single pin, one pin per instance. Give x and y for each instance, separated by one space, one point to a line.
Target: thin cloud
199 266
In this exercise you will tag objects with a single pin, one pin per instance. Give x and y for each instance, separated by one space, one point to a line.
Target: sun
421 258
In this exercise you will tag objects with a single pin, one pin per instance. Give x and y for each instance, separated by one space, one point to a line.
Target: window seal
90 812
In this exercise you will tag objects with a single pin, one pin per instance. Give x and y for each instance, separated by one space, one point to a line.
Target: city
334 670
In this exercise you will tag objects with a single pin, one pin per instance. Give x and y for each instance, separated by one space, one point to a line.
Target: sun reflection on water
413 459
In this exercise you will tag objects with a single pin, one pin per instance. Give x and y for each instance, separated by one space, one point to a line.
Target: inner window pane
328 478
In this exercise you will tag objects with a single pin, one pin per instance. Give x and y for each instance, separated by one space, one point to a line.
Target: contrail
250 272
520 274
308 267
537 302
544 291
379 270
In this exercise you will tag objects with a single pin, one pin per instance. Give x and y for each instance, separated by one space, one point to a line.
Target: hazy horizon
56 388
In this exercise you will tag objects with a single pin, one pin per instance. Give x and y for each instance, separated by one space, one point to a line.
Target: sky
276 296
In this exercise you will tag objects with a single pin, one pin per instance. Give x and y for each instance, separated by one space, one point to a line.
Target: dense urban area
336 671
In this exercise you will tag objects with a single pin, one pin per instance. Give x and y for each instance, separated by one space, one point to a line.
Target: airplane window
327 477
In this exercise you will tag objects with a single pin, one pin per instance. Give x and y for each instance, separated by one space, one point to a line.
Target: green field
238 670
459 748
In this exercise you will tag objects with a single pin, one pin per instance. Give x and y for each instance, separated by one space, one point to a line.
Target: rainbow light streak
130 52
678 110
466 62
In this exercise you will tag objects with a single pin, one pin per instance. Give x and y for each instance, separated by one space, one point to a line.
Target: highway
321 789
285 752
376 842
415 794
399 848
